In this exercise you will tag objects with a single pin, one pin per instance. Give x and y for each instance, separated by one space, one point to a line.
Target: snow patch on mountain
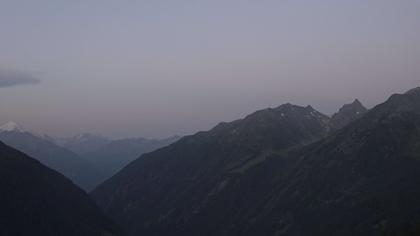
11 127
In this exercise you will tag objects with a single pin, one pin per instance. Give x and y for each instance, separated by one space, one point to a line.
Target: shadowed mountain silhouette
36 200
256 176
50 154
162 192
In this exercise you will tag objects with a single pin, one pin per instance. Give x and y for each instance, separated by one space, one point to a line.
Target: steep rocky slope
36 200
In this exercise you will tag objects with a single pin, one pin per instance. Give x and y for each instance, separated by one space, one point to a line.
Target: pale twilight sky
156 68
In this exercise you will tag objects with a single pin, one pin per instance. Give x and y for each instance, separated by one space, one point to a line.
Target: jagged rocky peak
292 110
347 114
285 120
355 107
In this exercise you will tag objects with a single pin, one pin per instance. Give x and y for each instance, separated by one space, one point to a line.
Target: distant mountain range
81 171
113 156
86 159
84 143
36 200
108 155
289 170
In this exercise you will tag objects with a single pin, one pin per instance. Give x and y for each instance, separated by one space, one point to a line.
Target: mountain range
110 155
36 200
289 170
79 170
87 159
83 144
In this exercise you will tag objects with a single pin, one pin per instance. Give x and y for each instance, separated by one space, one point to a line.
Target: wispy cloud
9 78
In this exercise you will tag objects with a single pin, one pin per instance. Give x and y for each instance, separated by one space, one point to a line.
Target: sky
156 68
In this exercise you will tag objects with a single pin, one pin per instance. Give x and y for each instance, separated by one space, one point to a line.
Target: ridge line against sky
158 68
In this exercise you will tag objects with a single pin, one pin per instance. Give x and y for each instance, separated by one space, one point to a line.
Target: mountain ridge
53 156
36 200
228 182
195 164
347 114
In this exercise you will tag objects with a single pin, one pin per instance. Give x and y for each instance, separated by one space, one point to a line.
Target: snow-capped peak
14 127
11 126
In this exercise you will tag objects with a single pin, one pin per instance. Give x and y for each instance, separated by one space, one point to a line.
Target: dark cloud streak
9 78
